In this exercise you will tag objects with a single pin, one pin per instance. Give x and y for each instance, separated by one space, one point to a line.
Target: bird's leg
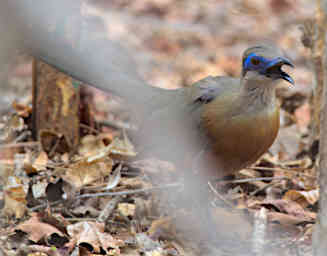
195 161
197 189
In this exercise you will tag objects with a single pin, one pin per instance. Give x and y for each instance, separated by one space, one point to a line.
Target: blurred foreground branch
320 235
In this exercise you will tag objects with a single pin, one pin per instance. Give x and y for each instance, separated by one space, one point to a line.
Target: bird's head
265 63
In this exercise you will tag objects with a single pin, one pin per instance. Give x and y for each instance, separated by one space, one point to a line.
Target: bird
220 124
216 126
227 122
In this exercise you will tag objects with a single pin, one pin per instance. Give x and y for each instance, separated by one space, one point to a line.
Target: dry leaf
120 148
91 145
93 234
304 198
15 123
39 253
22 110
83 173
114 178
291 208
148 246
6 170
37 230
304 163
86 210
284 219
126 209
40 163
8 134
15 198
39 189
162 228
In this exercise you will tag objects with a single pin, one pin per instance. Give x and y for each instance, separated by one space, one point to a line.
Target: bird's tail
61 36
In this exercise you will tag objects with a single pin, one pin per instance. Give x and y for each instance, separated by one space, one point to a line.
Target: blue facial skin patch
263 65
262 62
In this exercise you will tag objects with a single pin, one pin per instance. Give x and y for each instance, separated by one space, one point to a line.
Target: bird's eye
255 61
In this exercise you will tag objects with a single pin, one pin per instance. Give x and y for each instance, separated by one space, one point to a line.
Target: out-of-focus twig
20 144
116 124
119 193
313 38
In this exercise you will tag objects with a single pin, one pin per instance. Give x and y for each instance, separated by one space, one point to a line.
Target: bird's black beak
274 69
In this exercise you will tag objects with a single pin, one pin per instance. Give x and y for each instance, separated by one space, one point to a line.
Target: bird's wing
176 116
207 89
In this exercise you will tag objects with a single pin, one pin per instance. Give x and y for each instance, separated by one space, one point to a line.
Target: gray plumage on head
266 50
265 61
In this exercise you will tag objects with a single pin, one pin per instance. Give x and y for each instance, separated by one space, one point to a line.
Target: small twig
258 179
255 179
118 125
262 189
108 209
129 192
20 144
94 219
80 219
121 193
22 136
89 128
249 179
45 205
218 195
274 169
55 146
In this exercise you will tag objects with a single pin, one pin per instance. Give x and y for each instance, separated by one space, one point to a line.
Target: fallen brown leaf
40 163
37 230
303 198
92 233
284 219
83 173
126 209
292 208
15 198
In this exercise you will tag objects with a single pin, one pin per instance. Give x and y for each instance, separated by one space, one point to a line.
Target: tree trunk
55 109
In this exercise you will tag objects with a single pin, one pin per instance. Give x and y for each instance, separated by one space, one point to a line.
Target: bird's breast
239 140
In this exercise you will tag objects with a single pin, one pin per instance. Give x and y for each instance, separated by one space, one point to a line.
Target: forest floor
51 203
